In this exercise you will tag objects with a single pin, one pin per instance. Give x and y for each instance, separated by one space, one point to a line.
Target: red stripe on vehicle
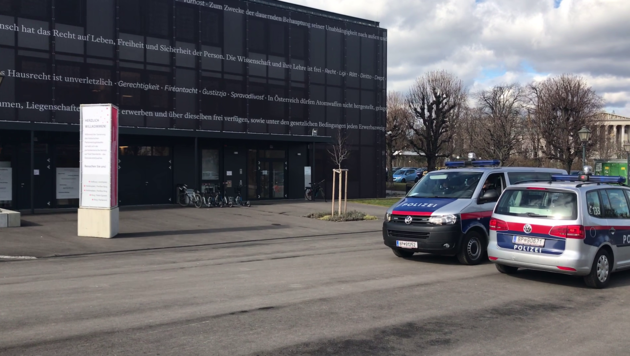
619 227
536 229
413 213
477 215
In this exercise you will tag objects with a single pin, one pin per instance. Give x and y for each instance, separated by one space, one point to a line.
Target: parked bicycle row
209 198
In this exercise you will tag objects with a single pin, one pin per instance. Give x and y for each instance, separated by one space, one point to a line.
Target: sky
494 42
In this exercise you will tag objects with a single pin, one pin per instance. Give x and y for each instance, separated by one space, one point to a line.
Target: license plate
407 244
529 241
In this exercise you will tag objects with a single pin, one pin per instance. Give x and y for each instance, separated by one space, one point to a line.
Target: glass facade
224 66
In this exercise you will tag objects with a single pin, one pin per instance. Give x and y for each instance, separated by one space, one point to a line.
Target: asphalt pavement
325 292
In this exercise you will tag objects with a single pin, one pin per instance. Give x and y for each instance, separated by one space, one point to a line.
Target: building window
257 39
6 176
70 12
186 24
31 89
210 27
157 18
298 42
130 97
67 175
6 6
277 39
209 165
130 16
68 92
102 93
39 9
159 99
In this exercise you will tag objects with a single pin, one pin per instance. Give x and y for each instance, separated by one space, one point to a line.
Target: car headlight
388 217
443 219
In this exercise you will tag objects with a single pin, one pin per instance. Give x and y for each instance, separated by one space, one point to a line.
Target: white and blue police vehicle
448 211
576 225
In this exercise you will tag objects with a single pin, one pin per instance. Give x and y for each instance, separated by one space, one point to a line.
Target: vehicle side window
607 211
494 181
618 203
627 193
594 206
411 171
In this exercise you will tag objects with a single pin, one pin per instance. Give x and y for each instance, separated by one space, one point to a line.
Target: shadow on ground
197 231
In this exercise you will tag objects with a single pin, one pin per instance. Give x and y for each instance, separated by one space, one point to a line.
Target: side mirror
489 195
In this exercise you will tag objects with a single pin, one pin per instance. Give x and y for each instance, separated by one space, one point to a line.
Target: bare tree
500 116
563 105
398 118
436 100
339 149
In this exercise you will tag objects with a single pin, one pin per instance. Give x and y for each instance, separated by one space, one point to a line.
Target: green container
612 167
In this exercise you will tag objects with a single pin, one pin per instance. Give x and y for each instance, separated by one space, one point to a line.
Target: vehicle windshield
398 172
538 203
445 184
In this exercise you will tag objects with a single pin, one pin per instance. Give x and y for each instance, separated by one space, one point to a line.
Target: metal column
32 172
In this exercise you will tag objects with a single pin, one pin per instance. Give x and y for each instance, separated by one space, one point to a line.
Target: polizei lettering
424 205
528 249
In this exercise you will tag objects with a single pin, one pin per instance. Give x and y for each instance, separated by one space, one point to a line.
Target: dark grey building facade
221 93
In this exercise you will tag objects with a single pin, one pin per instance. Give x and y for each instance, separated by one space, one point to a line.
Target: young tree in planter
339 149
436 100
339 153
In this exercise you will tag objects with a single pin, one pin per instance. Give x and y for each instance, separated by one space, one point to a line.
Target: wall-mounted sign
6 184
99 156
68 183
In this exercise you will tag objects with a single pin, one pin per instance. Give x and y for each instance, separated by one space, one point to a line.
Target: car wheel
506 269
600 271
473 249
402 253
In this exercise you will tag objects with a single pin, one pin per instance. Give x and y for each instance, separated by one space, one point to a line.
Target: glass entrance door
272 180
277 189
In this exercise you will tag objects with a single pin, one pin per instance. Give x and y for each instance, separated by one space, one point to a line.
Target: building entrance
235 167
42 177
145 175
272 168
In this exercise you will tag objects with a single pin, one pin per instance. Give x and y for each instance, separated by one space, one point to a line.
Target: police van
448 211
577 225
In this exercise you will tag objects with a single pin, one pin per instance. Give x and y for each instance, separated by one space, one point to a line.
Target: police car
448 211
576 225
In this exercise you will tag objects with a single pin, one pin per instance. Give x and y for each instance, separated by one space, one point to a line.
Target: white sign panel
6 184
68 183
99 150
307 176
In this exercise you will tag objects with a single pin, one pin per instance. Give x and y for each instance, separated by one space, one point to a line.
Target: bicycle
239 199
186 196
209 199
222 198
317 188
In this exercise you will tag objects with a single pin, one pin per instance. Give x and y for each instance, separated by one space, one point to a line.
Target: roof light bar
483 163
455 164
589 178
490 162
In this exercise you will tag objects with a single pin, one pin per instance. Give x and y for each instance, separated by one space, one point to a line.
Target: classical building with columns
616 127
